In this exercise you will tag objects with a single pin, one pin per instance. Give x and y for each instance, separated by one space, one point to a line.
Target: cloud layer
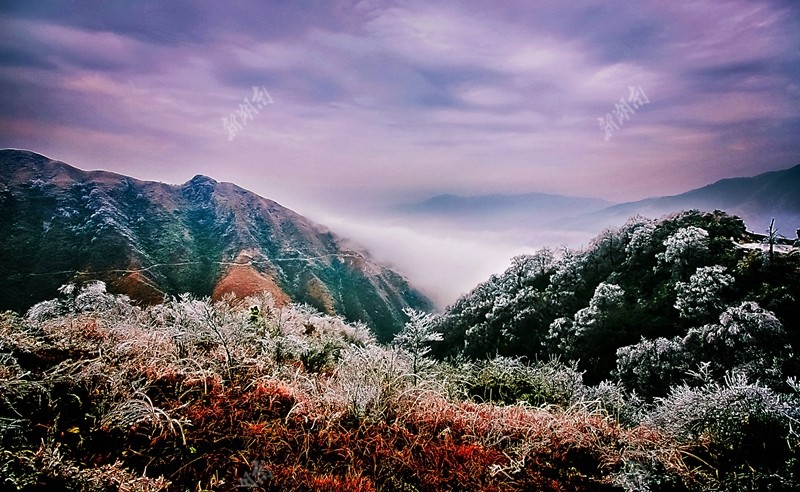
398 99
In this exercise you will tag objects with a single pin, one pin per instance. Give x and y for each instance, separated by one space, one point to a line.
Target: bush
508 380
612 398
651 366
748 339
366 383
741 434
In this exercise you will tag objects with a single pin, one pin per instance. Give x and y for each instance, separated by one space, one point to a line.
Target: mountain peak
201 180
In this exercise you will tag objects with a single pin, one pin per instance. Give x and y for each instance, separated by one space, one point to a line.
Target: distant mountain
755 199
147 239
497 211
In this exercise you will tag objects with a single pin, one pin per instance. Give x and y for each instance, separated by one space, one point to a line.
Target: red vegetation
244 280
125 408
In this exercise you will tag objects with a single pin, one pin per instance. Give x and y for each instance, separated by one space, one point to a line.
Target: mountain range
498 211
755 199
60 224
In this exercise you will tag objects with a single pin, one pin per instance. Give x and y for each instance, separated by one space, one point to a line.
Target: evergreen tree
416 337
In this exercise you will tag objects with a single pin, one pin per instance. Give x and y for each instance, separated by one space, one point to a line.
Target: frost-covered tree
701 297
565 283
772 237
561 335
747 338
506 314
541 262
685 248
525 269
416 337
651 366
649 278
573 338
640 243
607 250
606 296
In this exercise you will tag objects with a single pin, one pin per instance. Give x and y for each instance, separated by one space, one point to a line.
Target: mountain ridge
756 199
149 239
499 211
497 199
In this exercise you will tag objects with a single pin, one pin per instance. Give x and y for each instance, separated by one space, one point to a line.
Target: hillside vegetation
147 239
682 290
640 374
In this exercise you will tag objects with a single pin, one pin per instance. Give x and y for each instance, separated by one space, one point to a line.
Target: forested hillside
148 240
647 303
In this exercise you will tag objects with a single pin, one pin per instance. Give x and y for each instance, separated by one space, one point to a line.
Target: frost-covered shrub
44 310
612 397
701 297
747 338
745 431
651 366
647 474
90 297
366 382
183 311
193 324
94 297
299 333
510 380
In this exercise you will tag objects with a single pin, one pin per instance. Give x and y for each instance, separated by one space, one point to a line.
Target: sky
369 103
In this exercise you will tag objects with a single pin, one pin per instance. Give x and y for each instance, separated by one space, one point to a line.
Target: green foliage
507 381
317 358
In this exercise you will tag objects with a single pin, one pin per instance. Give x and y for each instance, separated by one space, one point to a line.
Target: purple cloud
406 98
